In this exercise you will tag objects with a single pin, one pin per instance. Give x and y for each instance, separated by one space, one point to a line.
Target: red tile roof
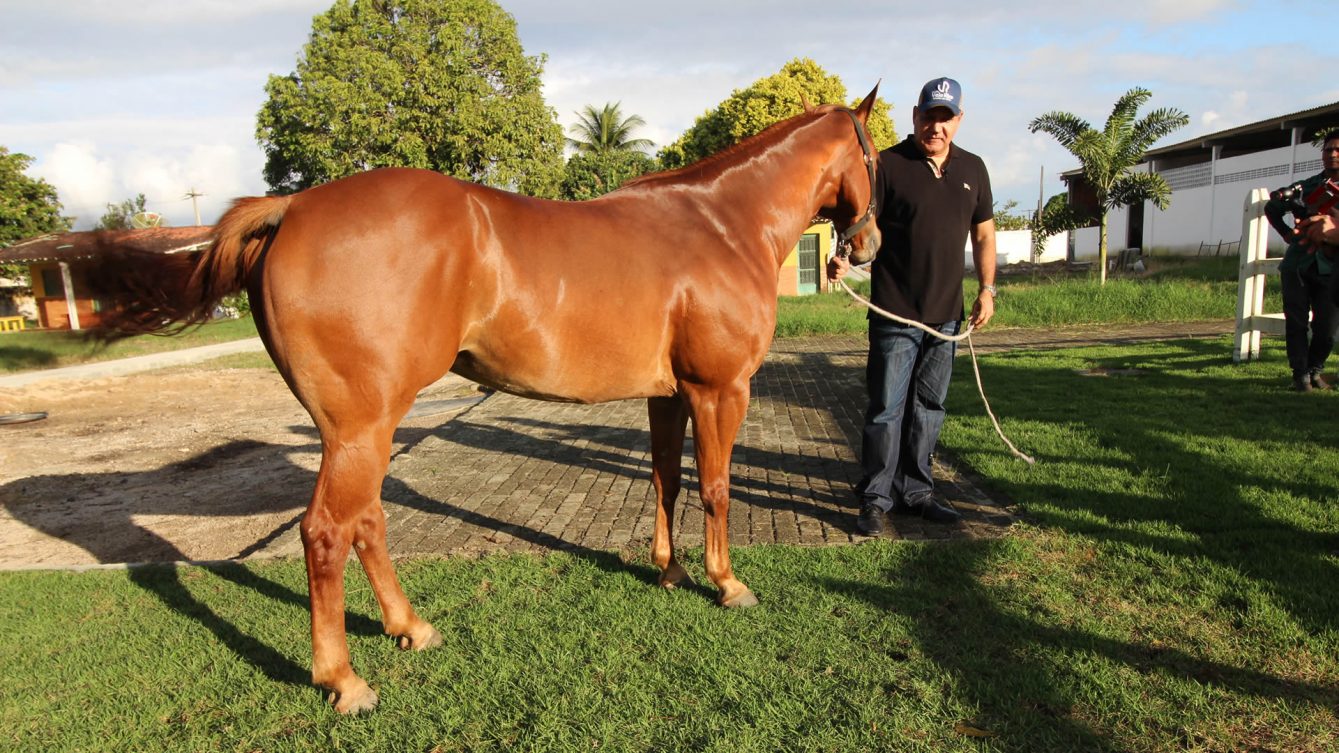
83 245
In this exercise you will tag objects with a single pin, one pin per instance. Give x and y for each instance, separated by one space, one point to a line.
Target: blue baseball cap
941 92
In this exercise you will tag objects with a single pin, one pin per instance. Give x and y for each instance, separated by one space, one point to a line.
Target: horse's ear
805 102
866 105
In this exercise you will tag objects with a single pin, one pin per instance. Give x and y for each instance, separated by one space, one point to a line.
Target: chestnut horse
369 288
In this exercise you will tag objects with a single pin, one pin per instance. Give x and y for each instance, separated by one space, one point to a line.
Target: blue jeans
907 377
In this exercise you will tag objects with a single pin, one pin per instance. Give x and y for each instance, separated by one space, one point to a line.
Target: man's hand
983 309
838 266
1320 230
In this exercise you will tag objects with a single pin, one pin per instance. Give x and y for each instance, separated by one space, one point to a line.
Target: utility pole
1036 222
193 195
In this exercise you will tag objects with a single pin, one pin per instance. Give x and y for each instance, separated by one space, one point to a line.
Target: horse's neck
781 184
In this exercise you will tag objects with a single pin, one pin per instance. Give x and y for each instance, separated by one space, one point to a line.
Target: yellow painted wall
788 281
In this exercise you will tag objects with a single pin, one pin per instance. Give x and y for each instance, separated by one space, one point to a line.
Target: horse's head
851 207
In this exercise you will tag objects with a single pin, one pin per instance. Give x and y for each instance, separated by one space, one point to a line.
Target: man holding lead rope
932 196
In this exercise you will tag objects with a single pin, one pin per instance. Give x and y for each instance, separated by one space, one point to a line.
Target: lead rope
951 338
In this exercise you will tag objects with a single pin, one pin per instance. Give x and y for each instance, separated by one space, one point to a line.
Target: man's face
935 129
1329 156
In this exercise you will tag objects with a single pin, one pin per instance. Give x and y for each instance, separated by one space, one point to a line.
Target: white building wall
1012 246
1204 213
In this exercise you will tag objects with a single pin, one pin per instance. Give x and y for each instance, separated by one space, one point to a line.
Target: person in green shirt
1310 316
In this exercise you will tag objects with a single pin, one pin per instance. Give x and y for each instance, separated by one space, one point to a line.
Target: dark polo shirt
925 221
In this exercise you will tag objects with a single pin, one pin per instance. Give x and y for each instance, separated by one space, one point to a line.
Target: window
808 260
52 285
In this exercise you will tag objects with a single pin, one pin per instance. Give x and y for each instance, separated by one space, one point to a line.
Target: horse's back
415 272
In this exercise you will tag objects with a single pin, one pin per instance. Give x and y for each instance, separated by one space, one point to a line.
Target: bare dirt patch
179 464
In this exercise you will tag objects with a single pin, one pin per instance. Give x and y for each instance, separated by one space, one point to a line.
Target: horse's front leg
717 415
669 417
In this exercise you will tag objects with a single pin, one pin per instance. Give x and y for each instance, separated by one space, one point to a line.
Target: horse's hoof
361 699
422 641
675 576
740 600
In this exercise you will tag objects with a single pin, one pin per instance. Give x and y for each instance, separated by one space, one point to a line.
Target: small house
56 264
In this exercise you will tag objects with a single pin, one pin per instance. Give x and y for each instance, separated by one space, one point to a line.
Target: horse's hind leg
669 417
346 512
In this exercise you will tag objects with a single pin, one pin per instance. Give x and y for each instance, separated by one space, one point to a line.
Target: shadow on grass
1013 668
1166 435
19 358
1170 436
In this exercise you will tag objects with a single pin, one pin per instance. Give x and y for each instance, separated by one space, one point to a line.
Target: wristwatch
991 289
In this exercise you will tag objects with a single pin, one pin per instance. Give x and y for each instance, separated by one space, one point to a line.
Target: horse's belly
571 380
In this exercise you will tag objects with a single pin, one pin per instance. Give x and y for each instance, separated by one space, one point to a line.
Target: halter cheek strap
844 240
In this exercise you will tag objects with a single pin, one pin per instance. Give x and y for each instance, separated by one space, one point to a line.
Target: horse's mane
772 132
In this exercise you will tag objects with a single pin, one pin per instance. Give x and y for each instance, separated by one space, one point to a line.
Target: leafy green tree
1107 156
28 207
117 216
1057 216
606 129
1007 218
596 173
766 101
438 84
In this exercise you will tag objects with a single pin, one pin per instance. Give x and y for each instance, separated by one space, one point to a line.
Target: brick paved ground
515 474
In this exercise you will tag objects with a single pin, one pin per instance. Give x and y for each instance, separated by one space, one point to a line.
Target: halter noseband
844 239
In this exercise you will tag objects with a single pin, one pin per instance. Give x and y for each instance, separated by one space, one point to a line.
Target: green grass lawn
40 349
1173 290
1171 589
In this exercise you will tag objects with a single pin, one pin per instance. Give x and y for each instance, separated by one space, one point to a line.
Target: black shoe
1317 381
937 513
1301 382
902 508
870 521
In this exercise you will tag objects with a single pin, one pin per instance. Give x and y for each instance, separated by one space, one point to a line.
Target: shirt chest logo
967 186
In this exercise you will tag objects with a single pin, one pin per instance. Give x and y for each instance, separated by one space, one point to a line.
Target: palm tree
1106 156
606 130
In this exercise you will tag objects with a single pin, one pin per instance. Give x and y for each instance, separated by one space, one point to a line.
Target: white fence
1252 321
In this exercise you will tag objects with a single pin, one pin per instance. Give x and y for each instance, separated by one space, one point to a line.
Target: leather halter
844 239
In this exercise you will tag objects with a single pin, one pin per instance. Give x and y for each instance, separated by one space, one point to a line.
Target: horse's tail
152 292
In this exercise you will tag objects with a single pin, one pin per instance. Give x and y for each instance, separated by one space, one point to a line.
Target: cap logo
941 92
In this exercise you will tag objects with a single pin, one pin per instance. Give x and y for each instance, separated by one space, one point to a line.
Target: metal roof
1313 118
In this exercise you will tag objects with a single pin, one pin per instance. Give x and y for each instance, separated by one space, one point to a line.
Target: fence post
1254 268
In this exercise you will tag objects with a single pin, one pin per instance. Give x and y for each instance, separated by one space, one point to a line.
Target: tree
1008 219
606 130
118 216
1057 216
596 173
29 207
437 84
766 101
1107 156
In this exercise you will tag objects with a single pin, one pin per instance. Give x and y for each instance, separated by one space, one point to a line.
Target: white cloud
87 179
82 178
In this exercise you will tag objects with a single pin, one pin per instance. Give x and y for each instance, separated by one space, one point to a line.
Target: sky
114 99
